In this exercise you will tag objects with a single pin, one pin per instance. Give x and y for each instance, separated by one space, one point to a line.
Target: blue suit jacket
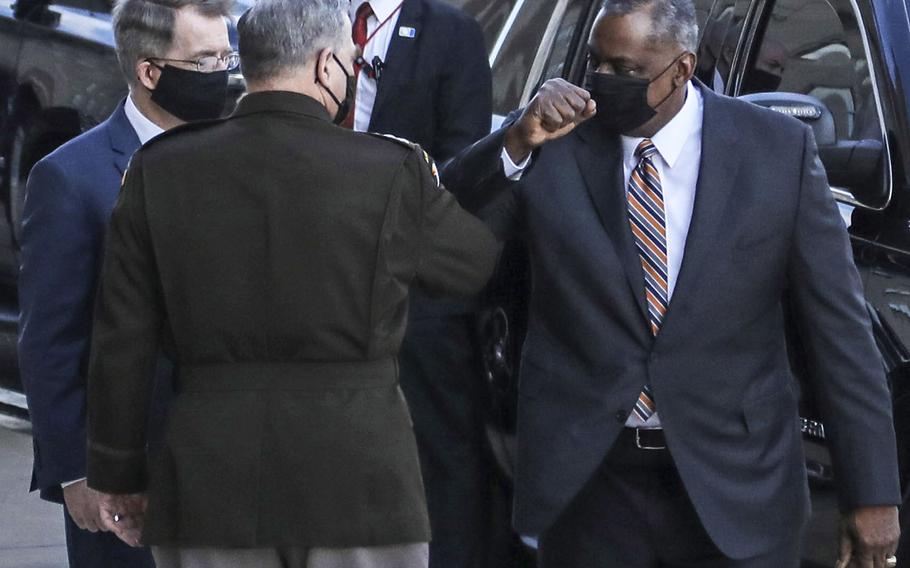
764 226
70 195
435 88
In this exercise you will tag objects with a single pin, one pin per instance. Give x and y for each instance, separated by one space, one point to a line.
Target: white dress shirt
385 14
145 130
679 155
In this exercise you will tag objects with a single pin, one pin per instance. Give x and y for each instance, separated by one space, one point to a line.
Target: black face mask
191 95
622 102
761 81
344 107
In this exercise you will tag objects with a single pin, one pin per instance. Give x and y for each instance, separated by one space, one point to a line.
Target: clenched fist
556 109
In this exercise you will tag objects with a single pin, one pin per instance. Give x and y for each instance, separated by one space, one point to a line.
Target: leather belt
647 438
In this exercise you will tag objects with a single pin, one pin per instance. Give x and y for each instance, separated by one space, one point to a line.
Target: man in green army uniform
270 254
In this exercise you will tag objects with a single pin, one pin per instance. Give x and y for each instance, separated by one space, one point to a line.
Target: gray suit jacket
764 225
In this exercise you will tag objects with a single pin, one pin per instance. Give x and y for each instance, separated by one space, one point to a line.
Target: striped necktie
648 220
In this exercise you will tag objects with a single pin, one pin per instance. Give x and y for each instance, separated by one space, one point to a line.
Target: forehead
196 33
623 36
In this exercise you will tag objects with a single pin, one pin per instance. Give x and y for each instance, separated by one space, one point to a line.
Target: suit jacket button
621 416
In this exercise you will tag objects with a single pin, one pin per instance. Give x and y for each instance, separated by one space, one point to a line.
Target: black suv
58 77
836 64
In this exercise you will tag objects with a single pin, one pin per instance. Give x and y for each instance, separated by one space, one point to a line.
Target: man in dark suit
70 196
424 76
657 421
271 253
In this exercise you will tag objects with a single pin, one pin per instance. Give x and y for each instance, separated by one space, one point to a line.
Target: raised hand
556 109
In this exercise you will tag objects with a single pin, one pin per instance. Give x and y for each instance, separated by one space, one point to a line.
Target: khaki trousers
398 556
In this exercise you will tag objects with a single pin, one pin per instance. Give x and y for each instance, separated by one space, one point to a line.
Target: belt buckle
638 443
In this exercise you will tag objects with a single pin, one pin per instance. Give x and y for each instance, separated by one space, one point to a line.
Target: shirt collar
145 128
382 9
671 139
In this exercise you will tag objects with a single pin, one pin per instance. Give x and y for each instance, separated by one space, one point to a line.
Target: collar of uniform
281 101
382 9
671 139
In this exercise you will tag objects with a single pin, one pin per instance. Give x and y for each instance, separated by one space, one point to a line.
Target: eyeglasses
208 63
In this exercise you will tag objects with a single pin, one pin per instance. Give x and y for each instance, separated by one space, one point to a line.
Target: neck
143 101
301 83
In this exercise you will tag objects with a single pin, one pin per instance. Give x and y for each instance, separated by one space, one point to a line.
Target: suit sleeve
125 344
476 177
464 104
456 252
845 367
56 291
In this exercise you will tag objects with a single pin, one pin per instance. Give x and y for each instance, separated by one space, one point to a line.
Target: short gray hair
280 35
673 21
145 28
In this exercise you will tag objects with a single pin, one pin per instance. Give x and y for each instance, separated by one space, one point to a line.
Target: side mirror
854 166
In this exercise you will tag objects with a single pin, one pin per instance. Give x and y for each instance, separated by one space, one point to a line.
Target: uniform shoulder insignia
403 141
414 146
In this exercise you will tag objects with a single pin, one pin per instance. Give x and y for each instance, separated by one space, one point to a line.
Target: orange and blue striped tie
649 225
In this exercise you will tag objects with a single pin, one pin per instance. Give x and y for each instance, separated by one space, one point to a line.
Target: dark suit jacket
436 88
272 251
764 219
71 193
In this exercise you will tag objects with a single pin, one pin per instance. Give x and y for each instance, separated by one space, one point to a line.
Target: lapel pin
408 32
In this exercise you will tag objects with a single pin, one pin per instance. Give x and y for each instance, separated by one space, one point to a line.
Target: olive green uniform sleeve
125 343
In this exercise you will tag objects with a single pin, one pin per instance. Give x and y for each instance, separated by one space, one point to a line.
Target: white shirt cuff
512 170
73 482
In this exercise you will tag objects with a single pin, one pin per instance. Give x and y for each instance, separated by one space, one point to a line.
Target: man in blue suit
425 77
666 224
174 55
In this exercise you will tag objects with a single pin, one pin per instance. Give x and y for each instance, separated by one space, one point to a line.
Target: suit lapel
124 140
600 161
719 164
401 55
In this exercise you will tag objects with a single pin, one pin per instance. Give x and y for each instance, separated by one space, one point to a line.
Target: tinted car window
490 15
570 27
719 39
513 62
816 48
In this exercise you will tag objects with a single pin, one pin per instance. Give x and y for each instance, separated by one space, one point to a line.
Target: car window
816 48
491 16
720 36
569 33
513 59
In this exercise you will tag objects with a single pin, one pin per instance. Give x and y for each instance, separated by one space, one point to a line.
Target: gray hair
145 28
281 35
673 21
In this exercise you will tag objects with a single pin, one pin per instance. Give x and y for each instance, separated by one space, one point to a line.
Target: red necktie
360 39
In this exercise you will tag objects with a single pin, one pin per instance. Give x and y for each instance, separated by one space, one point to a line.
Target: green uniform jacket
271 254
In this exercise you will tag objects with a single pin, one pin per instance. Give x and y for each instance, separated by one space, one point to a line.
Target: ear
323 73
147 74
685 68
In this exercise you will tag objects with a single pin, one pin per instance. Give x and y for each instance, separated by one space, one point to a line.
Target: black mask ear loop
327 89
673 90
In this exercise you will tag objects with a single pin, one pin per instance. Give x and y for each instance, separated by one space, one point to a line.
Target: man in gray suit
657 418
